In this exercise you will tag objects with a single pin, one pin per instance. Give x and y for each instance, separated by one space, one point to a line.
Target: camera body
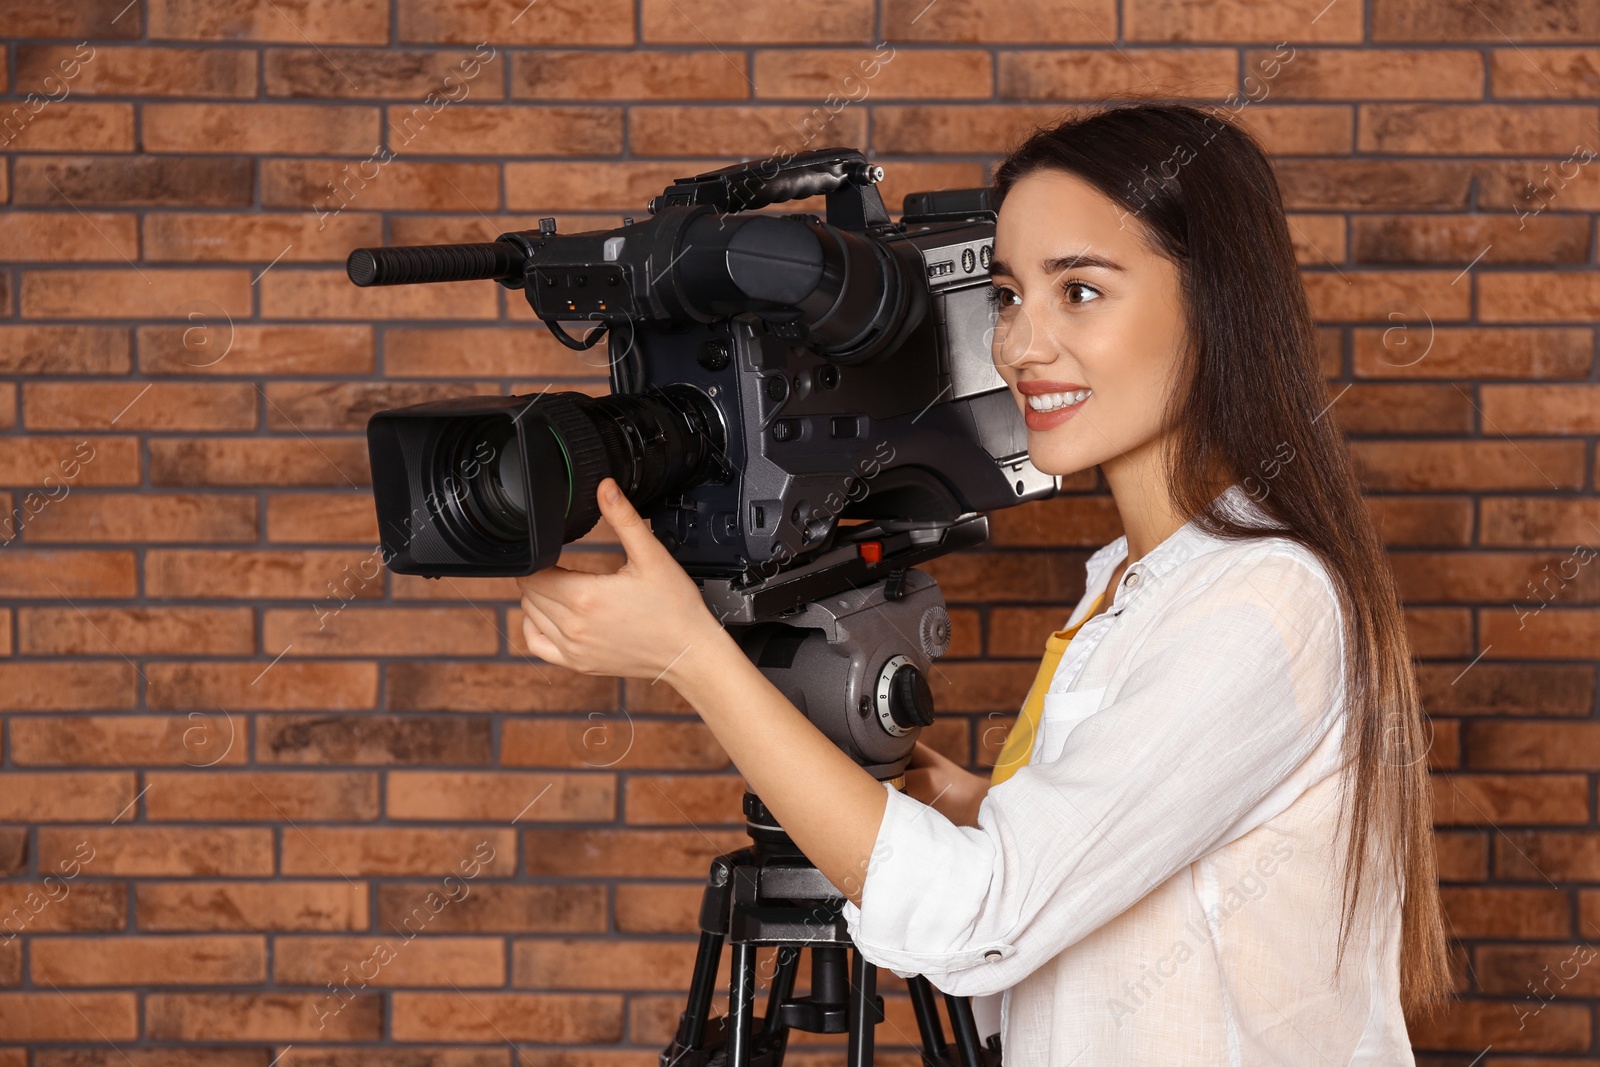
782 387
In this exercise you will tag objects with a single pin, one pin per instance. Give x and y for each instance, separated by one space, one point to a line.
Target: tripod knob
905 702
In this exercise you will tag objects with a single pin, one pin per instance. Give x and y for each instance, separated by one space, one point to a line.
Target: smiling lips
1052 403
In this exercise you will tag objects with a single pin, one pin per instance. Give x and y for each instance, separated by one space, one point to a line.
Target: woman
1218 848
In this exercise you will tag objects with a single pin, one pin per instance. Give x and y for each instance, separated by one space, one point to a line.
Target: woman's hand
637 623
946 786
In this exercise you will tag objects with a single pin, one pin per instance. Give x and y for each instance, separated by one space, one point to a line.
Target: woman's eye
1078 287
1000 296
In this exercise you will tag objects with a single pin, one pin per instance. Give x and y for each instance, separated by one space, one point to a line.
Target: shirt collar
1182 545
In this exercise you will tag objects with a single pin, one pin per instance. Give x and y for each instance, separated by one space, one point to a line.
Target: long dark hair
1206 196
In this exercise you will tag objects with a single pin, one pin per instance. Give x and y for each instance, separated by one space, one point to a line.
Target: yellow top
1019 743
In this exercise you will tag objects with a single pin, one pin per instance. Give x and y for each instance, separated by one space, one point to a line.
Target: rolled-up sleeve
1232 689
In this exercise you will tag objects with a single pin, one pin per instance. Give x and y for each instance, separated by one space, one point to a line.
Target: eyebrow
1062 264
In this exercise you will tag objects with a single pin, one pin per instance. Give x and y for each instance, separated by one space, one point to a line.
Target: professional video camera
804 410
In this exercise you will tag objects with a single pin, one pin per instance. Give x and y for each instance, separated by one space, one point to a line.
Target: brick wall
239 754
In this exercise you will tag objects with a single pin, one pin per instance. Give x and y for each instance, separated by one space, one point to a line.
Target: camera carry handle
842 174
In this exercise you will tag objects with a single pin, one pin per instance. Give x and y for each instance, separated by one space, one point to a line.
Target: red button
871 551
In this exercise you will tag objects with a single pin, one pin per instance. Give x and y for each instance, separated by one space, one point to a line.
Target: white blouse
1161 883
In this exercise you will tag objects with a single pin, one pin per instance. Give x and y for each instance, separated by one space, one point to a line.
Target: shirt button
992 955
1131 580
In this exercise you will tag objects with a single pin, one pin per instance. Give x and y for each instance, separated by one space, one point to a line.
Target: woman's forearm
829 806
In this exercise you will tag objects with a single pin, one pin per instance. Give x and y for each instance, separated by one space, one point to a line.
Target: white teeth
1057 401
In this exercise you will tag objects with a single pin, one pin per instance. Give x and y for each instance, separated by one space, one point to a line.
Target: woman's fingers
540 634
637 540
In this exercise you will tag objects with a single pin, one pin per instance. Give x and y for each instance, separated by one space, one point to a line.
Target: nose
1017 343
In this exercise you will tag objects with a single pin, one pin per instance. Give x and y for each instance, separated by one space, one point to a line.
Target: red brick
1390 409
135 406
1299 129
1376 295
441 686
1460 239
658 909
1415 521
490 1017
603 22
1437 633
1471 465
627 853
148 293
1541 746
137 71
329 853
1547 856
624 186
214 346
489 907
40 907
610 964
1539 297
521 797
1488 688
45 796
1017 576
1543 72
1557 523
513 130
445 229
1361 185
1542 409
92 1017
62 350
277 796
359 22
373 739
719 21
1364 73
57 126
268 685
274 1016
1506 913
325 294
330 628
1510 799
1027 22
1473 129
479 352
256 574
96 17
550 74
265 906
601 742
1412 348
1490 21
322 517
49 236
230 461
1463 856
260 128
99 631
675 799
1476 576
89 686
1535 632
393 961
751 131
880 73
1251 20
1471 1026
379 73
912 129
57 465
189 181
1065 74
348 405
116 740
79 961
143 851
159 517
213 237
330 189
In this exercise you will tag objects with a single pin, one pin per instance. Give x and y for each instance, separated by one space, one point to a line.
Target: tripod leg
966 1030
929 1025
782 989
742 1006
864 1014
692 1023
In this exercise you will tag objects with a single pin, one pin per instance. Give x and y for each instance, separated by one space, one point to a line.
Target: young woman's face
1089 326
